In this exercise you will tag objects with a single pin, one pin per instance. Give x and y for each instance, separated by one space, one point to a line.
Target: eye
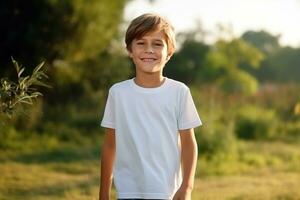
158 44
140 43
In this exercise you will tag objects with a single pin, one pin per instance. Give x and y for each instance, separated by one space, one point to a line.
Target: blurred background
241 60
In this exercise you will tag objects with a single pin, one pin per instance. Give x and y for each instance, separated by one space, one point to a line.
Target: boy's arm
189 154
107 162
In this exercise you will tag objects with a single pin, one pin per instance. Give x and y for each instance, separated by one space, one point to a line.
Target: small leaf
38 67
20 72
15 63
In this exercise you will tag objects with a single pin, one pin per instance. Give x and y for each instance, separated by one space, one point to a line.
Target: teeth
148 59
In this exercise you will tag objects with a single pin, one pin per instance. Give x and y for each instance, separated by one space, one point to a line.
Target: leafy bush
64 133
219 140
24 91
216 136
238 81
253 122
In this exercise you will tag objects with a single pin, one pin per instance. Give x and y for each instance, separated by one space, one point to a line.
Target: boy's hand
183 194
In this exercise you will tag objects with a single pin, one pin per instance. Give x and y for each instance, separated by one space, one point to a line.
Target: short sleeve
188 116
108 120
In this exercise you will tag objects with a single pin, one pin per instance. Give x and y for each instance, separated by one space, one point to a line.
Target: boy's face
149 53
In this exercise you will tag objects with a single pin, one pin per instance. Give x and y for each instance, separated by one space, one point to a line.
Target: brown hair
147 23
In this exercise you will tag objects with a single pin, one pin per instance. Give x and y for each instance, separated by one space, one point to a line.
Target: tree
69 30
187 65
262 40
280 63
74 38
227 57
282 66
70 35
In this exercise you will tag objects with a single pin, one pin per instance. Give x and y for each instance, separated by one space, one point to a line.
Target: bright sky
275 16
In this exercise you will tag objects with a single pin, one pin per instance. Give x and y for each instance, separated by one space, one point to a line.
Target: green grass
260 170
49 181
67 172
263 185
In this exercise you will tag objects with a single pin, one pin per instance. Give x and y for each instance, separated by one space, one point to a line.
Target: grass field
68 172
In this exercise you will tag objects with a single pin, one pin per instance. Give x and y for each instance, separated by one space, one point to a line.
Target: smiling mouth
148 59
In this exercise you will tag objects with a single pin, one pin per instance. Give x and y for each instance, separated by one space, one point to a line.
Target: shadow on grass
63 155
53 191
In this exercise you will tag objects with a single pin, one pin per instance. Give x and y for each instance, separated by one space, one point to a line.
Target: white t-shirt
146 123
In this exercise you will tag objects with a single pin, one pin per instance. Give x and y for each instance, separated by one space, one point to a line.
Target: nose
149 49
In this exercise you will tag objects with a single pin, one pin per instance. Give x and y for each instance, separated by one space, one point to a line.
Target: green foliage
96 23
280 63
227 57
289 131
74 37
79 119
218 141
282 66
280 97
253 122
222 62
117 68
254 56
8 136
187 65
238 81
72 30
63 132
216 136
79 80
262 40
236 52
23 92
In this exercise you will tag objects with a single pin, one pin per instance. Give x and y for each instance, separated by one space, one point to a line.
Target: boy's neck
149 81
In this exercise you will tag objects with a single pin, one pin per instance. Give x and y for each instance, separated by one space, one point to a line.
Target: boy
149 122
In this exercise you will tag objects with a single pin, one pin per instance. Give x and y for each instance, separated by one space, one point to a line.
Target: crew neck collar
149 90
